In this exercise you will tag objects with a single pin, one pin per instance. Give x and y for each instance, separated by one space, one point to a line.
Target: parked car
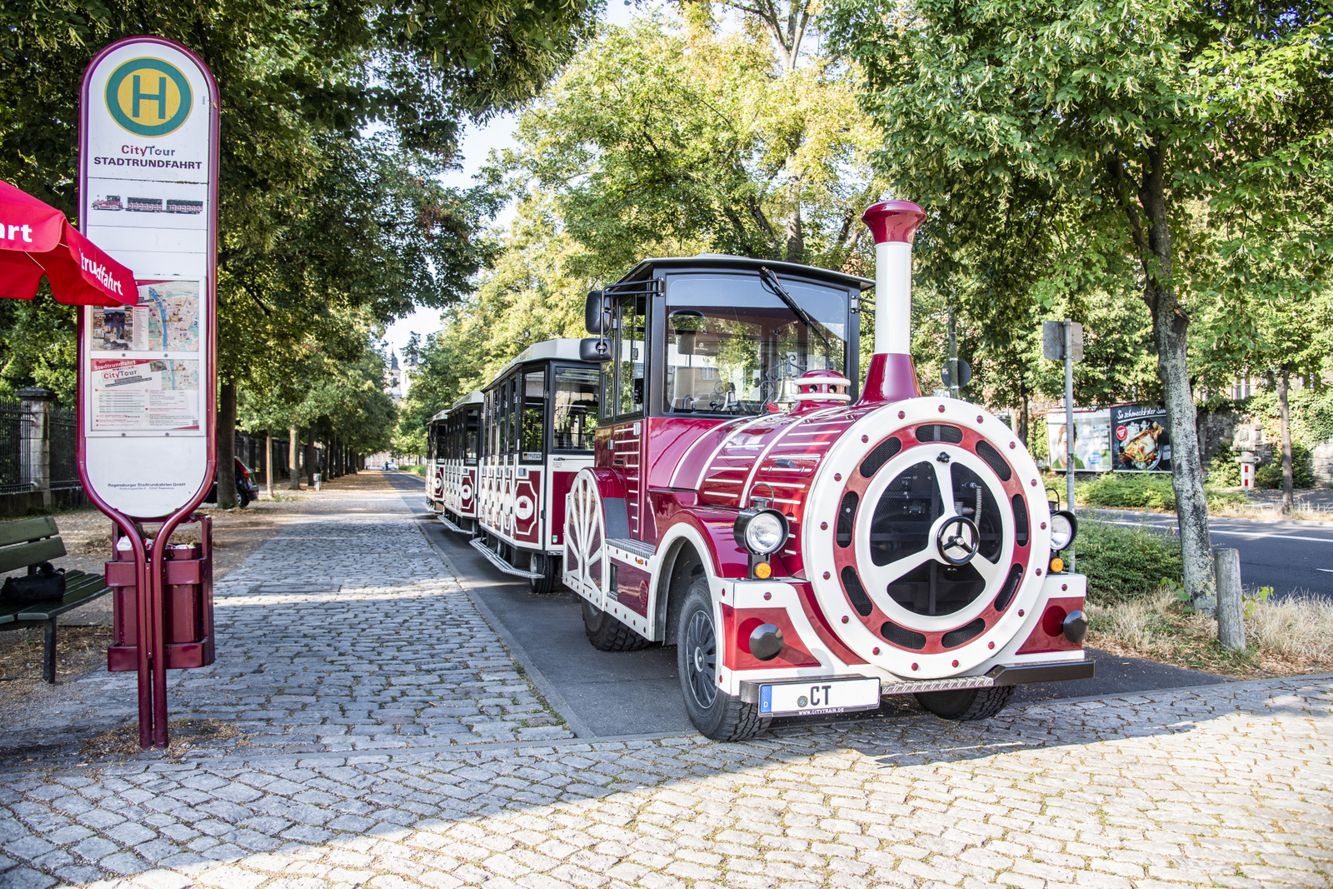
246 488
390 466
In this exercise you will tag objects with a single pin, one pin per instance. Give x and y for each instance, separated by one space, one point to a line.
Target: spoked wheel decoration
585 549
921 541
700 643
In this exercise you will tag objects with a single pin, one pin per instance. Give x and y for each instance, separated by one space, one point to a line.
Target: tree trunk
268 463
1284 420
293 458
1170 335
310 458
227 446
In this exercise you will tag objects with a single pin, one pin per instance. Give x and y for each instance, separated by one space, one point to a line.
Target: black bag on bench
45 585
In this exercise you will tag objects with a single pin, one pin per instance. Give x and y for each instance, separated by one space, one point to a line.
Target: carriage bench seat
26 544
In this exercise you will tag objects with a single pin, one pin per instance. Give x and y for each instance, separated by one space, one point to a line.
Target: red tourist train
534 425
454 444
807 548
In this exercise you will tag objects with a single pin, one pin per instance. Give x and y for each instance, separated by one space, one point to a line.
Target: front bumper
997 676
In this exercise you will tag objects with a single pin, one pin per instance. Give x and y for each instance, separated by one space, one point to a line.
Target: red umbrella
36 239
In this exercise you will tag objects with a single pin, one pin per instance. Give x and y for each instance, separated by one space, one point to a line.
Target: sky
478 143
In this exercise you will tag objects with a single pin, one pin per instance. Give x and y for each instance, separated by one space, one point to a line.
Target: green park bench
26 544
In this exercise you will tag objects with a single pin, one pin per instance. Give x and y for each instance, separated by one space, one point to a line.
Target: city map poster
166 319
144 394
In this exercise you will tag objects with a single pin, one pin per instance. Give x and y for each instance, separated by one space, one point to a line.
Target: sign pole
1069 423
148 191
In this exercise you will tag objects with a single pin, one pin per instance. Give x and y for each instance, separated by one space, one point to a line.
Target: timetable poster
145 395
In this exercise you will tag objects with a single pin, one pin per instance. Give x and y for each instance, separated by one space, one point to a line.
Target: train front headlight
761 531
1063 529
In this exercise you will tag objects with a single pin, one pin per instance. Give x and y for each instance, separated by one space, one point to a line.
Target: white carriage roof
473 397
546 350
729 261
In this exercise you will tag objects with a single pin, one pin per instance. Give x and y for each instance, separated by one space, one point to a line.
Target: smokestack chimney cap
893 221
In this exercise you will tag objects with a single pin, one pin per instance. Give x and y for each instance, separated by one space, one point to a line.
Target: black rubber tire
724 718
548 567
967 704
242 499
608 634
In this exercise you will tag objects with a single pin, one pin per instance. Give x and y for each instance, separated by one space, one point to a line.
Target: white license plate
818 696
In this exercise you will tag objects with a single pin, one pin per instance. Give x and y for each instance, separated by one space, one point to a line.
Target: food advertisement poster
1140 440
1092 440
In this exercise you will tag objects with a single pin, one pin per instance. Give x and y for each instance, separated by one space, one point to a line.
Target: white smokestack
891 376
893 224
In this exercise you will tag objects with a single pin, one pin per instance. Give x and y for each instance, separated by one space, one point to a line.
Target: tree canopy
1135 120
337 119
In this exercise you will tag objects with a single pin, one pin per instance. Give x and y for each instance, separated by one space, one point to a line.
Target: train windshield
735 343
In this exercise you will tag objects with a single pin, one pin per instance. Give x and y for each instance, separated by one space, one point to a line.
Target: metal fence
64 441
11 447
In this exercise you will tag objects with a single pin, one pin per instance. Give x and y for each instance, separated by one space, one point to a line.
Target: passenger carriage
537 421
808 548
461 449
436 450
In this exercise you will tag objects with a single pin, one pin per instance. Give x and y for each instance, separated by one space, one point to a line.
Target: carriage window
733 346
575 408
630 339
492 426
534 416
471 435
511 416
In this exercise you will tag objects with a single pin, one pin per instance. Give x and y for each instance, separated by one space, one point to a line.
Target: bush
1116 489
1269 475
1123 564
1120 490
1223 470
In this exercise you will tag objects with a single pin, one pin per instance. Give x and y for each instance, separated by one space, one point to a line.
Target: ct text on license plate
818 696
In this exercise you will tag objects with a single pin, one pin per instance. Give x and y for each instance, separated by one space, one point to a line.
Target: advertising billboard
1141 438
1092 440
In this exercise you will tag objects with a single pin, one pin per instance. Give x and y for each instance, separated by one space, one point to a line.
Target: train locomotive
807 548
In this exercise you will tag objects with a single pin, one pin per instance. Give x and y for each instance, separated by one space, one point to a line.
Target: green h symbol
137 95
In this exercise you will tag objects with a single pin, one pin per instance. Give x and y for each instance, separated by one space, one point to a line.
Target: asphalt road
1291 557
602 694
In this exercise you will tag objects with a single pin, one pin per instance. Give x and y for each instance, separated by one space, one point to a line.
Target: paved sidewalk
369 762
344 631
1225 785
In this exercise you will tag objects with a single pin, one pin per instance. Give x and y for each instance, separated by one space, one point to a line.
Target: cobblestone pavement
1226 785
343 631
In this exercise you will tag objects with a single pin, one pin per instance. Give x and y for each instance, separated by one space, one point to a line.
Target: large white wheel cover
818 542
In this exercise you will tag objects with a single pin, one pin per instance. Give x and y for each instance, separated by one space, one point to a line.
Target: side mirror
594 348
595 312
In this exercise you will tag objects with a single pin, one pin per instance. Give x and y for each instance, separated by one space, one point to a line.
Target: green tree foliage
336 118
661 139
1006 115
668 137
